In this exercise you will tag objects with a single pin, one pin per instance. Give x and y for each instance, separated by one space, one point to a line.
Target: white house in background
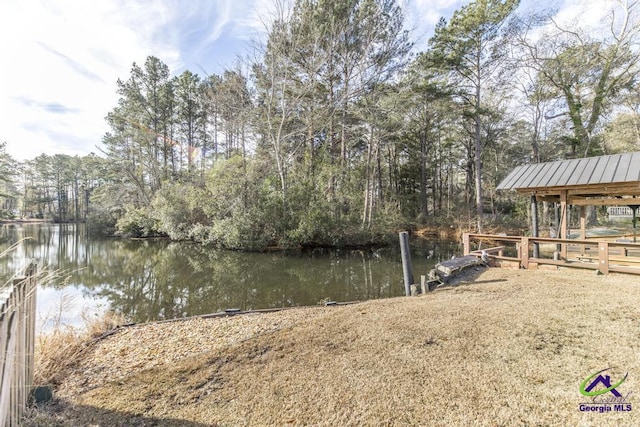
619 213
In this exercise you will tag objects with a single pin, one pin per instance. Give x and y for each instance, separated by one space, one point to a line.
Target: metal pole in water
407 269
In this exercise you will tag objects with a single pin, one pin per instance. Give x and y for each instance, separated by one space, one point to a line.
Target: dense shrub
240 232
241 205
178 209
137 222
107 207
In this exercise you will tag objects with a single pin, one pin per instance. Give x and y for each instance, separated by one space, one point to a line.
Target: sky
61 58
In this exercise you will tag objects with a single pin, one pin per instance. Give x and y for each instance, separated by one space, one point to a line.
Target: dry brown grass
509 349
60 350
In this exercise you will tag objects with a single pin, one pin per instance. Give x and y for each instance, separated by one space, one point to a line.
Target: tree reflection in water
156 279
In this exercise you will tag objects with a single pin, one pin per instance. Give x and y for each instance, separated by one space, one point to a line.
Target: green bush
315 227
241 232
178 209
137 222
103 221
108 205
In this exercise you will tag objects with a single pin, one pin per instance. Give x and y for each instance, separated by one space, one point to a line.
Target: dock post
424 287
407 269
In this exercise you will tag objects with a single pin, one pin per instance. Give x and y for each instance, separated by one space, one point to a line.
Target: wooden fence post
424 287
31 326
603 257
17 342
466 244
4 338
524 252
20 365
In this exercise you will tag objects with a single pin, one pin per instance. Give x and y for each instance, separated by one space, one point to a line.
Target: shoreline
421 232
25 221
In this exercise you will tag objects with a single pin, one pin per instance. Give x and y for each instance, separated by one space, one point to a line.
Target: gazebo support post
534 225
634 209
583 225
556 224
564 222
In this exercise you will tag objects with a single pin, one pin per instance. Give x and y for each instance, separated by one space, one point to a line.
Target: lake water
157 279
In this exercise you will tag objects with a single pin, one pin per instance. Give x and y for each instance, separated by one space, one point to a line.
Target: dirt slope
512 348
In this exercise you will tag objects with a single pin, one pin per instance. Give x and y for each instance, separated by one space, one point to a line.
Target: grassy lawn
510 348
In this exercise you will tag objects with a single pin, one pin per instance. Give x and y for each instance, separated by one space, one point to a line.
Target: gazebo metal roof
593 181
616 168
610 177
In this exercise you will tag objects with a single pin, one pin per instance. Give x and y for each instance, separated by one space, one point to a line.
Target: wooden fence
533 252
17 341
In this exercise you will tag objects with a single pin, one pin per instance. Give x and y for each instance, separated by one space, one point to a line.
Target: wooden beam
602 201
622 189
548 199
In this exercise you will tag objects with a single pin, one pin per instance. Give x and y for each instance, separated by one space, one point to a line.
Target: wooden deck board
456 264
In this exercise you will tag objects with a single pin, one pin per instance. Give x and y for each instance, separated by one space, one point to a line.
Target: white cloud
258 15
68 55
223 16
583 13
63 59
591 18
423 15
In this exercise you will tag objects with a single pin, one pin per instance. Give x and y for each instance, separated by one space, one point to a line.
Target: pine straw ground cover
509 349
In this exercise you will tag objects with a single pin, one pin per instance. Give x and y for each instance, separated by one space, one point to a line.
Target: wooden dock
446 271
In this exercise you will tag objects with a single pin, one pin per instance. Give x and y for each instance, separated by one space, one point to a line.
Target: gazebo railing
532 252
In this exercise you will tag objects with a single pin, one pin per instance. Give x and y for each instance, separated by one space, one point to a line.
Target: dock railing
17 344
518 252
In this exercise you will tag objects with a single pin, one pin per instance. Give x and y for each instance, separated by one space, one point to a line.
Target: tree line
335 132
56 188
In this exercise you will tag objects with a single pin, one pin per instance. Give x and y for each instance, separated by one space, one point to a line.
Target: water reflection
156 279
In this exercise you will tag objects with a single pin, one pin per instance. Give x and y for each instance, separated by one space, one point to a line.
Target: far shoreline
25 221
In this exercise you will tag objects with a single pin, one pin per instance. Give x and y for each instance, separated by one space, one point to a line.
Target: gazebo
612 180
